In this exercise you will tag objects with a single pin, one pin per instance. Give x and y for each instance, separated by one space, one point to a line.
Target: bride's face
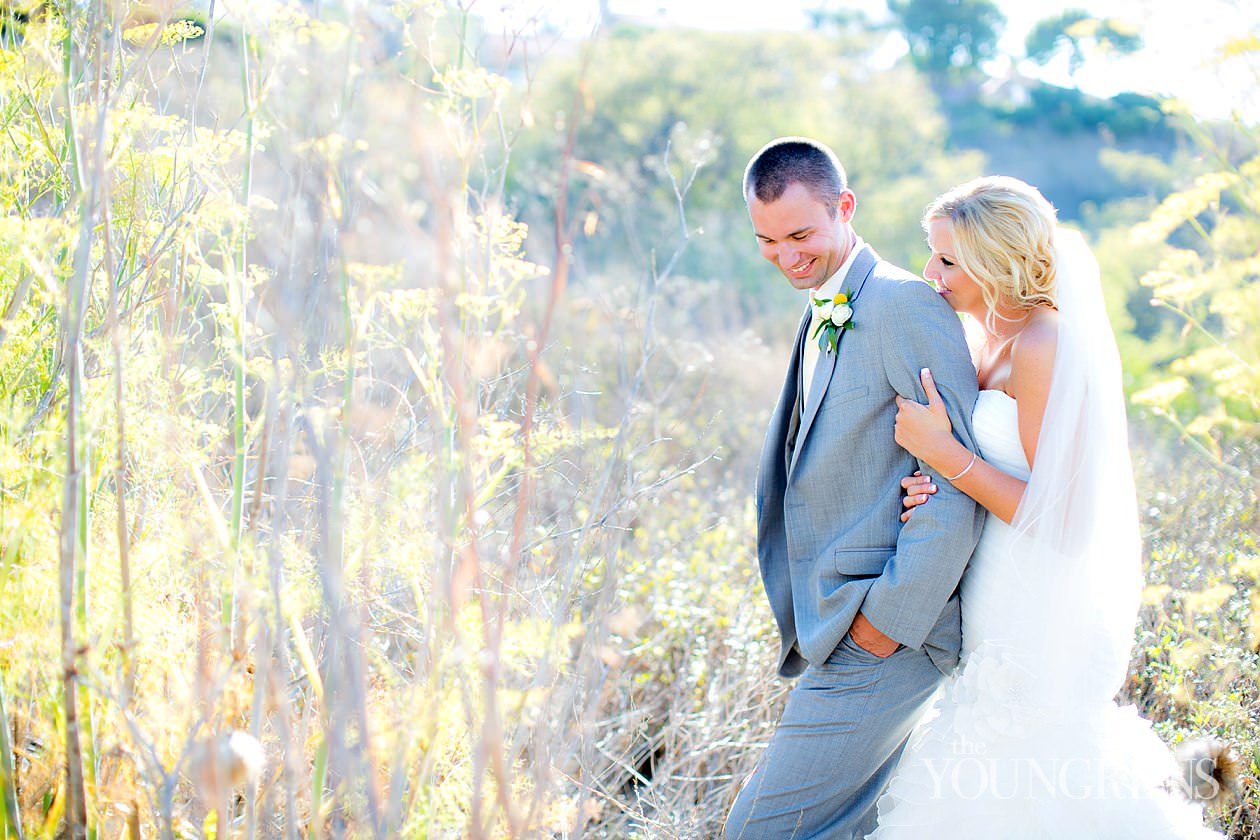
952 283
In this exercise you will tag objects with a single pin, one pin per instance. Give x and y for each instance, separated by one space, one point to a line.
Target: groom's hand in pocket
866 636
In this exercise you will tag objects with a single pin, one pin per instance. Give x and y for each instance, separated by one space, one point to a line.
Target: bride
1026 740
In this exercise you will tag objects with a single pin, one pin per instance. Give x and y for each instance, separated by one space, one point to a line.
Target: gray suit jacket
829 537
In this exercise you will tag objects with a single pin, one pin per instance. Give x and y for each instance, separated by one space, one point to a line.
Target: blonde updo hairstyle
1003 234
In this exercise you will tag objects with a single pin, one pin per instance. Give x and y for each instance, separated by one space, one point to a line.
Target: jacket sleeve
933 547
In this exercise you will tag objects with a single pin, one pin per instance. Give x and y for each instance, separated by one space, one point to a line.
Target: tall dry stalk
237 290
88 185
12 825
122 532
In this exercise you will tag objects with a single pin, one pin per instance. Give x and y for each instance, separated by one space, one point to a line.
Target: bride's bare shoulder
1032 353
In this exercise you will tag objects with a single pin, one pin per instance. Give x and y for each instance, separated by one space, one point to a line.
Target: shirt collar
833 284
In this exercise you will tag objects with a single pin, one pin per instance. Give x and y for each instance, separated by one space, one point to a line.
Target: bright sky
1181 38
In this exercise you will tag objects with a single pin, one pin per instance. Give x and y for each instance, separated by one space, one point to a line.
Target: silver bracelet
966 469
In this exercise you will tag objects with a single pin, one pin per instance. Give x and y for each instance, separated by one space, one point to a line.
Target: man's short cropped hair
789 160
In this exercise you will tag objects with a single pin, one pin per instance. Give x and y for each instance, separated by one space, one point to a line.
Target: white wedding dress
1025 740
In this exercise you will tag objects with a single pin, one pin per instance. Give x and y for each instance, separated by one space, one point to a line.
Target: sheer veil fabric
1078 551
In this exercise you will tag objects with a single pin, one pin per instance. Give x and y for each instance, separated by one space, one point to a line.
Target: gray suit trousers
838 744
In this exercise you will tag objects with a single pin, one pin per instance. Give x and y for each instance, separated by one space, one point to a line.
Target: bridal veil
1079 550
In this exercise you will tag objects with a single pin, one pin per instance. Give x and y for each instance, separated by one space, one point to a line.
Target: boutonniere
834 314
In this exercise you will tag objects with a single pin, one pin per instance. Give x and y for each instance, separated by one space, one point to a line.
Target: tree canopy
1079 34
639 130
949 37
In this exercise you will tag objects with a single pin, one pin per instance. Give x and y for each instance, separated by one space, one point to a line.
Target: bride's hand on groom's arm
918 488
925 431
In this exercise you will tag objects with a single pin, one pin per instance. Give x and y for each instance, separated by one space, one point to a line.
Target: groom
867 608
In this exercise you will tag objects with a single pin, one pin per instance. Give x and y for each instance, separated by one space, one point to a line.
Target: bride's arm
1032 363
925 430
919 431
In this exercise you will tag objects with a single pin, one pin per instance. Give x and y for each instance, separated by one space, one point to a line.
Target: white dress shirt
832 286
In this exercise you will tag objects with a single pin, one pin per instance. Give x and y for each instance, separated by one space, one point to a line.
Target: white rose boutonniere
834 314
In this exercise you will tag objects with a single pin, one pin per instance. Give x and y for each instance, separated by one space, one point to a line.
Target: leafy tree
1212 280
665 102
1080 35
842 20
950 37
1209 277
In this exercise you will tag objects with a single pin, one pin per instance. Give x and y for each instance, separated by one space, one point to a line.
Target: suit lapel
793 406
862 268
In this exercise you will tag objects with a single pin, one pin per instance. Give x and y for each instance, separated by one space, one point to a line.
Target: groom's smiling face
800 234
